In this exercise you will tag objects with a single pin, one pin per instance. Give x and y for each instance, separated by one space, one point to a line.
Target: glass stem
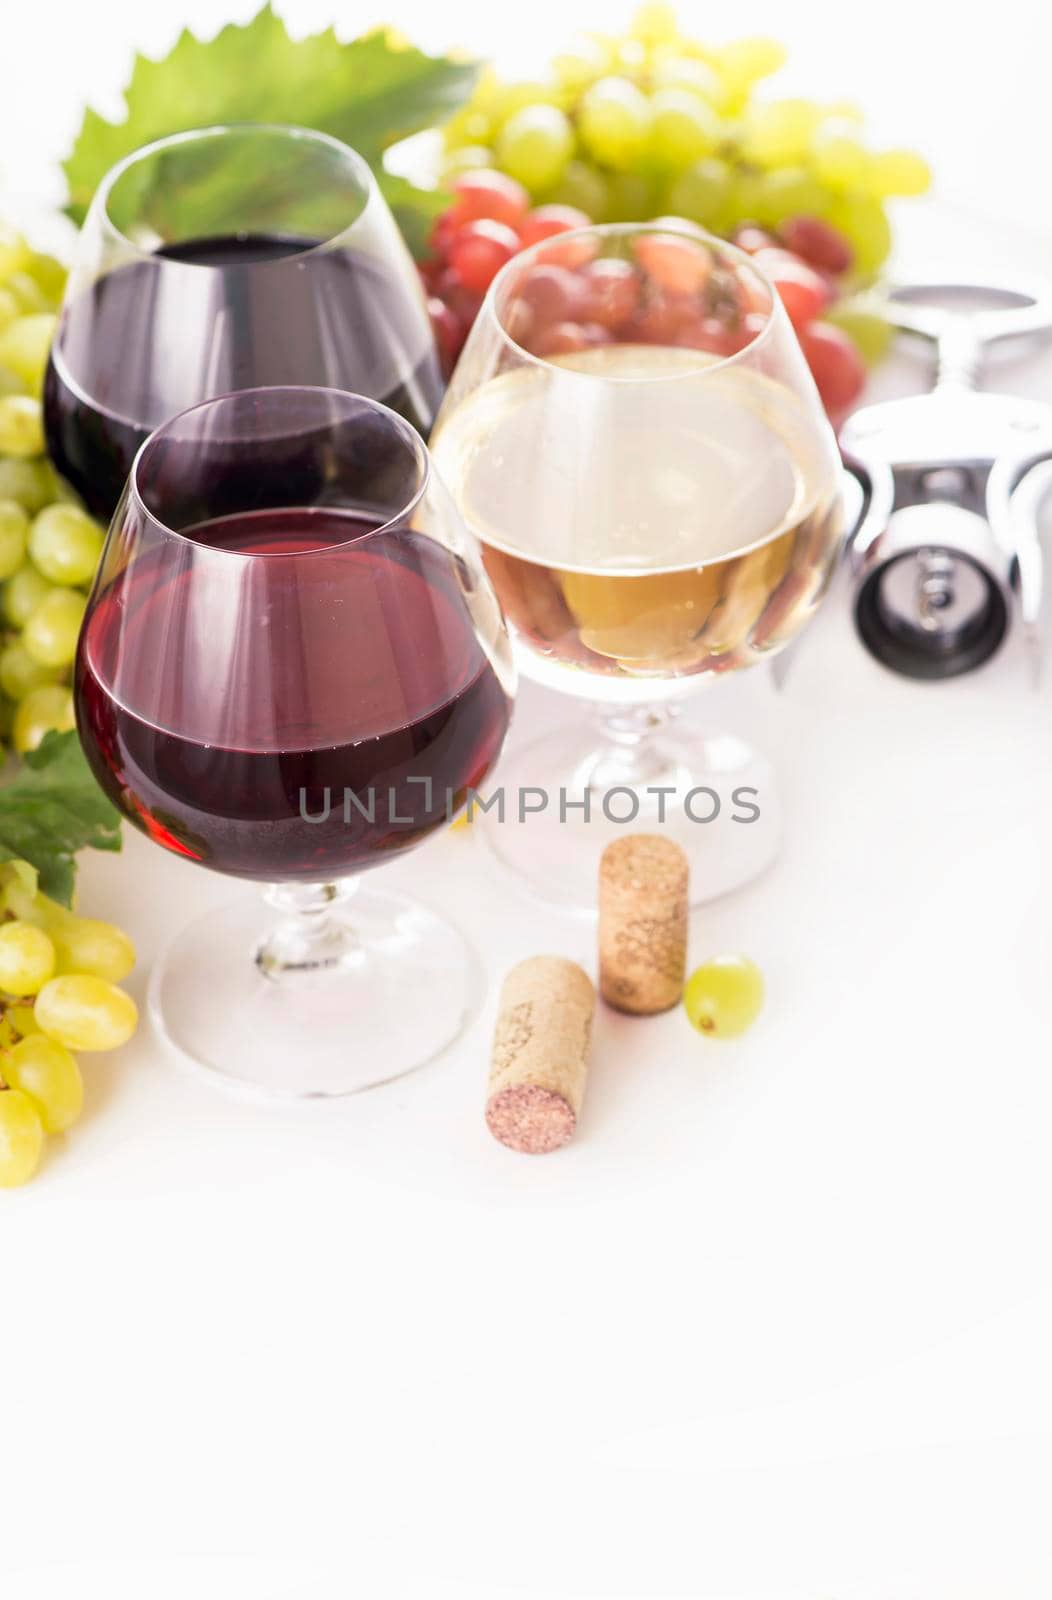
632 753
310 937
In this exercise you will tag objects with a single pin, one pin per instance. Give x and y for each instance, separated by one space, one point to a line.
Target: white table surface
778 1322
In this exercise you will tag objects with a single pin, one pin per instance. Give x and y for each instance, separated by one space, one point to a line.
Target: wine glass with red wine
230 258
293 669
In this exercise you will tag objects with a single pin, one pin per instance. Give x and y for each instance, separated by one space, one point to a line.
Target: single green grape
684 72
582 187
655 22
14 535
840 159
27 958
790 192
535 145
51 631
779 132
21 426
723 997
22 592
86 1013
862 221
46 1071
702 193
22 1020
580 66
31 483
467 158
8 309
614 123
897 172
631 195
683 128
14 252
43 709
65 544
49 273
24 348
744 62
21 1138
871 332
19 673
27 294
88 945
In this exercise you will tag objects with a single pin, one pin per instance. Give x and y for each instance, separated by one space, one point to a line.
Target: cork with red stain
540 1054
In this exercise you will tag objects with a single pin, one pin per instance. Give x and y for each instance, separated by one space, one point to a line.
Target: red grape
836 366
659 318
546 221
709 333
483 192
803 292
820 245
464 303
613 290
552 293
479 251
679 265
449 333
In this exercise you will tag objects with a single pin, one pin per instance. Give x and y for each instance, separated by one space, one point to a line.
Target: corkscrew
944 490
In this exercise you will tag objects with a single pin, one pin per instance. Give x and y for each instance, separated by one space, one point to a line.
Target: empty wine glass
293 669
634 437
230 258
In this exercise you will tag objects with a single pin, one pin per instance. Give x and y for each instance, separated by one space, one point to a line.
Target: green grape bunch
49 546
656 123
59 993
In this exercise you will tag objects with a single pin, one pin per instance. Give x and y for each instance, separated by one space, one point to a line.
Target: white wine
680 518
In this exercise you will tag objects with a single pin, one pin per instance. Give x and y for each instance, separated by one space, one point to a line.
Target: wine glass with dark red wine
230 258
293 669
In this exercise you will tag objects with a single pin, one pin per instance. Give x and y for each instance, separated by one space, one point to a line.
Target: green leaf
370 93
52 808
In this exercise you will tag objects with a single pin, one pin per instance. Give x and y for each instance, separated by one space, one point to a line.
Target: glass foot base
393 986
715 796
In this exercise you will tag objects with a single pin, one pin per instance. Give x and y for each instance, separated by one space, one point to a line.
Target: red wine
273 714
211 315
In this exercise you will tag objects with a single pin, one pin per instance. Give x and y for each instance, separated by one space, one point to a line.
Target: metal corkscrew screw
947 489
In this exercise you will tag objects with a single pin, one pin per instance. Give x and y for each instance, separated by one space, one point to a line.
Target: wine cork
642 923
540 1054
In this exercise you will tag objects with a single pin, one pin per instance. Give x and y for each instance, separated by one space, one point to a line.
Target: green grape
683 128
871 332
744 62
86 1013
749 196
861 219
65 544
583 187
897 172
8 309
50 633
31 483
576 68
24 348
50 706
21 426
49 273
14 252
27 958
22 592
14 533
779 134
468 126
84 944
840 160
19 673
467 158
702 193
9 384
21 1138
654 23
723 997
682 72
47 1072
22 1020
614 123
27 294
790 192
630 196
535 145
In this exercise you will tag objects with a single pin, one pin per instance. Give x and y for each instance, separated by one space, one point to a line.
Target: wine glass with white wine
634 437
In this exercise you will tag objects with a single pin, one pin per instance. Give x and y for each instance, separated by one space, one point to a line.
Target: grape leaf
370 92
52 808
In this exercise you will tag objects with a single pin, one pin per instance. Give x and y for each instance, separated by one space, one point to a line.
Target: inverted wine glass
633 435
230 258
292 670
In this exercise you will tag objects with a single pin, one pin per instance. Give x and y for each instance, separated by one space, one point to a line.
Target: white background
780 1321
